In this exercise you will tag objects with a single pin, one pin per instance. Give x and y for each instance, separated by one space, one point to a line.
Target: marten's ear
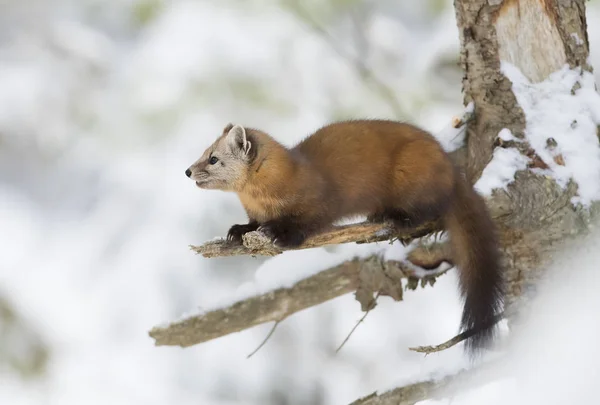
237 141
227 129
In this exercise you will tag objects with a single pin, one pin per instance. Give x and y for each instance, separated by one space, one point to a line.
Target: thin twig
367 74
264 341
446 345
468 115
454 341
357 323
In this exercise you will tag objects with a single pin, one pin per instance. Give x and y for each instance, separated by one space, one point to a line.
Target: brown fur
383 169
337 173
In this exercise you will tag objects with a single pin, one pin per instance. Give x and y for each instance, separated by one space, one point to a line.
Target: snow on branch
367 277
256 243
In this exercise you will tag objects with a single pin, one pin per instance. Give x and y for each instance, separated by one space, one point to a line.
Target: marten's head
224 165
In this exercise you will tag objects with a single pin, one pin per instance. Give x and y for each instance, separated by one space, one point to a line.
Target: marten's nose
188 173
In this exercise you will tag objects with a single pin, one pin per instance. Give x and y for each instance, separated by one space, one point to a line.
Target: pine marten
386 170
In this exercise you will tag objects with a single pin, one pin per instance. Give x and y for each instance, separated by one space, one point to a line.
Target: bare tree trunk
539 37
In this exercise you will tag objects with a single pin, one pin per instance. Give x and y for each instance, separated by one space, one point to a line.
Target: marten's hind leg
422 184
403 219
289 232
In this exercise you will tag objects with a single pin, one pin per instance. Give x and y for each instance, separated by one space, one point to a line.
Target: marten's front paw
237 231
283 235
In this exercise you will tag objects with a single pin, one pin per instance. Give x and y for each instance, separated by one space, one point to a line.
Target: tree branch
256 243
432 389
365 276
455 340
443 346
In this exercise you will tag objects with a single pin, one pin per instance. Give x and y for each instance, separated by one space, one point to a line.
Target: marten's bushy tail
475 250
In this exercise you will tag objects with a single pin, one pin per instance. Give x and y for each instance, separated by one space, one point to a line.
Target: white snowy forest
105 103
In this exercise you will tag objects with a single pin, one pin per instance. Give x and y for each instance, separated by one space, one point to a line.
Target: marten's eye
213 160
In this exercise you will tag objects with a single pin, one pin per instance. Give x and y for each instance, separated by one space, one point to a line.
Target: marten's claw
267 231
236 232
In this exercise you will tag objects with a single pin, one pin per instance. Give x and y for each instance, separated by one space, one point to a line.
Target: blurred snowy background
105 103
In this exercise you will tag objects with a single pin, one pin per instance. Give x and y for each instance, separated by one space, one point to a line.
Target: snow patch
500 172
470 108
553 109
577 39
506 135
